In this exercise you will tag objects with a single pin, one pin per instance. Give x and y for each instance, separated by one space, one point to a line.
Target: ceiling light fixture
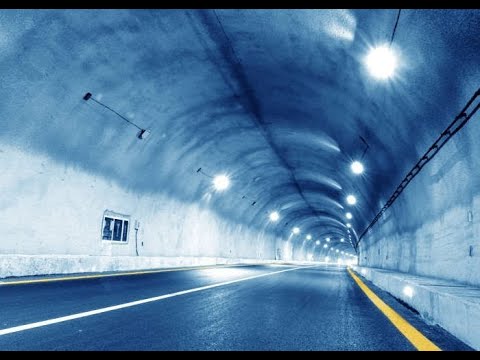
221 182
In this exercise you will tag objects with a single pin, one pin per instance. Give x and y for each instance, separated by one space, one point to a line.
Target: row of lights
381 63
357 168
222 182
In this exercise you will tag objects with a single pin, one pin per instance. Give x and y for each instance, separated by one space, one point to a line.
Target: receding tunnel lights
274 216
328 239
349 225
296 230
325 246
221 182
351 200
309 237
357 167
381 62
317 242
348 215
342 240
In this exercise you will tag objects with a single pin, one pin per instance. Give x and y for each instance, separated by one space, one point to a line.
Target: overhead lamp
221 182
381 62
317 242
309 237
296 230
357 167
351 200
348 215
274 216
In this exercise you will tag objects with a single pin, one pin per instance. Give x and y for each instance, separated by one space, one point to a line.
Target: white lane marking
134 303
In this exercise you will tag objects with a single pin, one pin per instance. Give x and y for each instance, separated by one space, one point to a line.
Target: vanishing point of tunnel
220 179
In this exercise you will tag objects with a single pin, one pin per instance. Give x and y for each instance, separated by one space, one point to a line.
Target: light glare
381 62
309 237
357 167
221 182
296 230
348 215
274 216
408 291
351 200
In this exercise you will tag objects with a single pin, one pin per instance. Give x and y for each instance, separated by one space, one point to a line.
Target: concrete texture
452 305
28 265
278 100
61 210
433 228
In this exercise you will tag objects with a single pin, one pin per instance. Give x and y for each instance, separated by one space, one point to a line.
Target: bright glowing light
342 252
274 216
381 62
352 200
342 240
327 259
348 215
309 237
349 225
221 182
328 239
363 271
357 167
325 246
296 230
408 291
317 242
336 250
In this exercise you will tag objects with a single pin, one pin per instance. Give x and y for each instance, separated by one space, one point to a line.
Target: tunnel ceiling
277 99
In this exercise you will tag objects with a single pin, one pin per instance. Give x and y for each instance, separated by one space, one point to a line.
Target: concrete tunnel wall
433 228
278 100
61 211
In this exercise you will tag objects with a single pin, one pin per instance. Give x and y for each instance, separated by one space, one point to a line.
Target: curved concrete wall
48 209
433 228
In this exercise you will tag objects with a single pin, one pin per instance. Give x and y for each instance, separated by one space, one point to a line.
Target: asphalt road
309 308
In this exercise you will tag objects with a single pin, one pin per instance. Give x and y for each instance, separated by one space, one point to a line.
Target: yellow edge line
81 277
413 335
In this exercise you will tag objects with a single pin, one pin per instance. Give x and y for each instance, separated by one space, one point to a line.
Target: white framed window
115 227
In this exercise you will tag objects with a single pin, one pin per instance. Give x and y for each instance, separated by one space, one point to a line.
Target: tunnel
240 179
